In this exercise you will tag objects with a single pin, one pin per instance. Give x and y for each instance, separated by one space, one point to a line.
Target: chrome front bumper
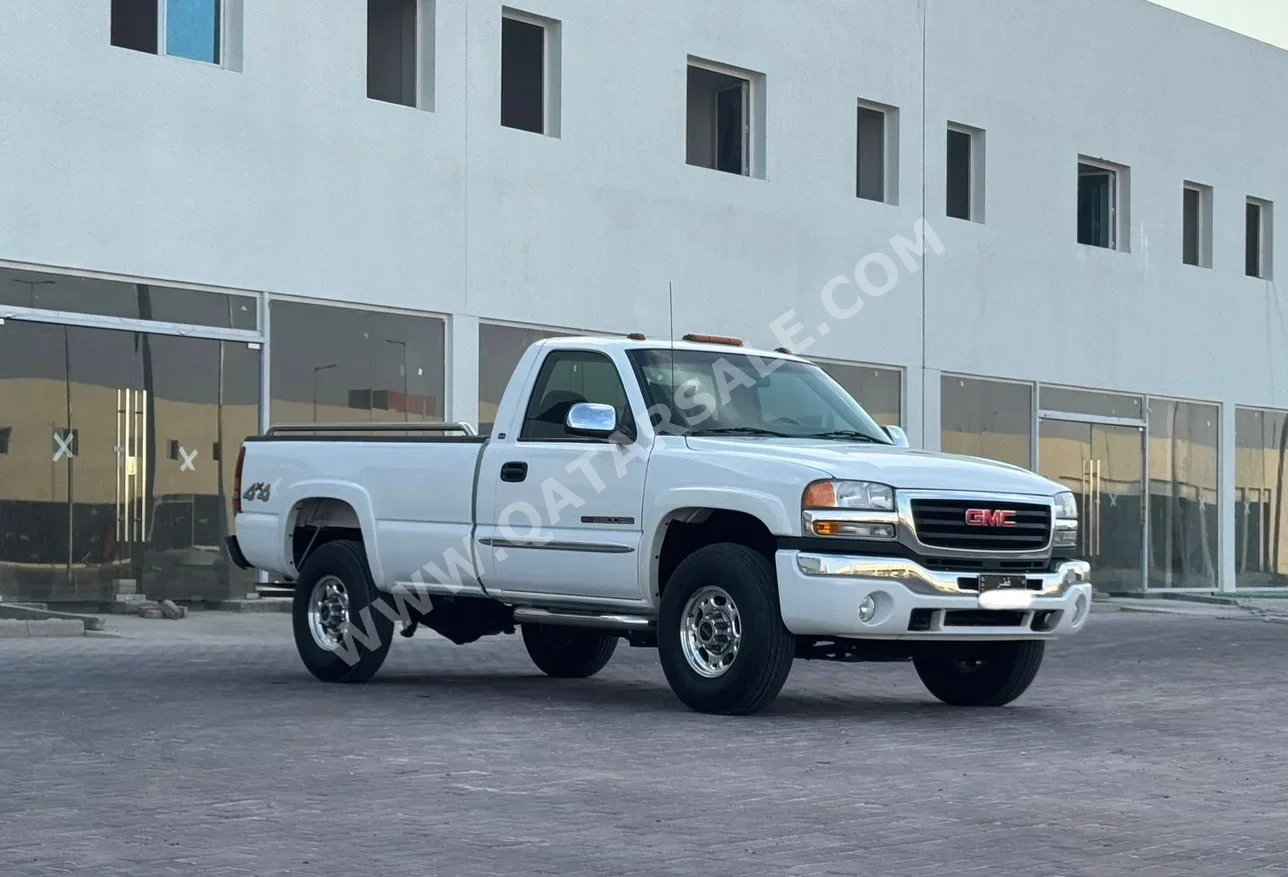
821 595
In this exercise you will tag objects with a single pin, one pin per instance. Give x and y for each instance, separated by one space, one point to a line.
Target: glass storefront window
116 472
1184 501
878 390
1095 403
500 349
339 365
990 419
138 301
1260 514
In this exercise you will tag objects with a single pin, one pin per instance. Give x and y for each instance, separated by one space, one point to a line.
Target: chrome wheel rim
328 612
710 632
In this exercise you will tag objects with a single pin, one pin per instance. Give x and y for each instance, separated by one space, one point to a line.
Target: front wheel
721 639
566 652
979 674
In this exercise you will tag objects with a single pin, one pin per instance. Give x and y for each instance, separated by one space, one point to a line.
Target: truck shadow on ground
633 696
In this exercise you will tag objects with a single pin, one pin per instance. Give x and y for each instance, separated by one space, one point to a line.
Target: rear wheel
568 652
980 674
721 638
338 632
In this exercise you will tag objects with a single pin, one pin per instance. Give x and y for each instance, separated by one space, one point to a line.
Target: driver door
568 508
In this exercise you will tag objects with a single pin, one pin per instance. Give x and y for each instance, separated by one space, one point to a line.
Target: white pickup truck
735 509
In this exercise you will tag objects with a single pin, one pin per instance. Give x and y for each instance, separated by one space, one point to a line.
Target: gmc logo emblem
990 518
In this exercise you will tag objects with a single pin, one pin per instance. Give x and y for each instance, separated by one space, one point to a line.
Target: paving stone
1150 744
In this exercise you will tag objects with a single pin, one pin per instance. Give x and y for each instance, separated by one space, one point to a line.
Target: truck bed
384 479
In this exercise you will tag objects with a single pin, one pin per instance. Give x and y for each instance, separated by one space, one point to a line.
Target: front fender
768 508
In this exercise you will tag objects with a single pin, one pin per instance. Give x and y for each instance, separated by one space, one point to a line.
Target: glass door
117 462
1104 465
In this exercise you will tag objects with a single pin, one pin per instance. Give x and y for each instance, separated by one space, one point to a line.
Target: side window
566 378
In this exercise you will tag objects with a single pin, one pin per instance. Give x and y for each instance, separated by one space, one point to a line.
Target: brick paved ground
1151 745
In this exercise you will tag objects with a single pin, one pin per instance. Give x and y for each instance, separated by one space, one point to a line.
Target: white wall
283 177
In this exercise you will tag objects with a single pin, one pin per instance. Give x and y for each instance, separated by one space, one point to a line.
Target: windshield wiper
738 430
849 434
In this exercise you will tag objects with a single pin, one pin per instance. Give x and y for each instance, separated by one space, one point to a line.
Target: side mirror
897 435
592 419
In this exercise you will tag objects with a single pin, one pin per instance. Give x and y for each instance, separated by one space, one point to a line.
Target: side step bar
525 615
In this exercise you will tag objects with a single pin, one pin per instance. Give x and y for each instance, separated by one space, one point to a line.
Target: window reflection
878 390
1260 514
500 349
138 301
990 419
342 365
1184 497
114 479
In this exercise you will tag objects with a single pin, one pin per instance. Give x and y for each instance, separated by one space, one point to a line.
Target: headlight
1065 528
1066 506
864 495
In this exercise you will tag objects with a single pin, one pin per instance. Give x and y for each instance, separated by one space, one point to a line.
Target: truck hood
905 468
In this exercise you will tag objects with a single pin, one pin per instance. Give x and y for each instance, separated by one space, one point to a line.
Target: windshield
706 392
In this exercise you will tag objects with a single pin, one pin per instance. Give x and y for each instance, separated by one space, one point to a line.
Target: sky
1265 20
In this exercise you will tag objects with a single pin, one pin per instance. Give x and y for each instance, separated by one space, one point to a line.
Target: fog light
867 609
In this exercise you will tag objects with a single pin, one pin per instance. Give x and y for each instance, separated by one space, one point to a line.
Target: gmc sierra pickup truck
734 509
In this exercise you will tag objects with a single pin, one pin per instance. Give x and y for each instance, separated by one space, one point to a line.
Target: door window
567 378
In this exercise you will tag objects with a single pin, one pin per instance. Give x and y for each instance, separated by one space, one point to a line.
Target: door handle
514 471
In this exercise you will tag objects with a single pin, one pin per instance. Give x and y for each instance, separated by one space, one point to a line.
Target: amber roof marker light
713 339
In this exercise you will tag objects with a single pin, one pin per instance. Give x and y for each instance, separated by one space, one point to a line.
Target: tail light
237 473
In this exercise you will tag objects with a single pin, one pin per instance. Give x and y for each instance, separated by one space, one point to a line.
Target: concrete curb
23 612
264 604
11 628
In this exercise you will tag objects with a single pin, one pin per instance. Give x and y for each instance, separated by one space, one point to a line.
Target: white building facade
1042 233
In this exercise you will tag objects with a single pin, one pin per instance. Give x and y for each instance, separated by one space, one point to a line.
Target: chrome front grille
967 524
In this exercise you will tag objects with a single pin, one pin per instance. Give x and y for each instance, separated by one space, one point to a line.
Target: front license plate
1003 583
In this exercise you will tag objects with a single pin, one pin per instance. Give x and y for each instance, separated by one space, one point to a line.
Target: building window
1103 204
192 29
1260 515
5 433
1196 222
1096 403
529 73
965 171
336 365
400 52
877 153
878 390
725 125
127 299
1184 494
503 347
989 419
1258 236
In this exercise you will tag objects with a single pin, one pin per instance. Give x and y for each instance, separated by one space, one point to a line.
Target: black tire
362 650
764 656
980 674
568 652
